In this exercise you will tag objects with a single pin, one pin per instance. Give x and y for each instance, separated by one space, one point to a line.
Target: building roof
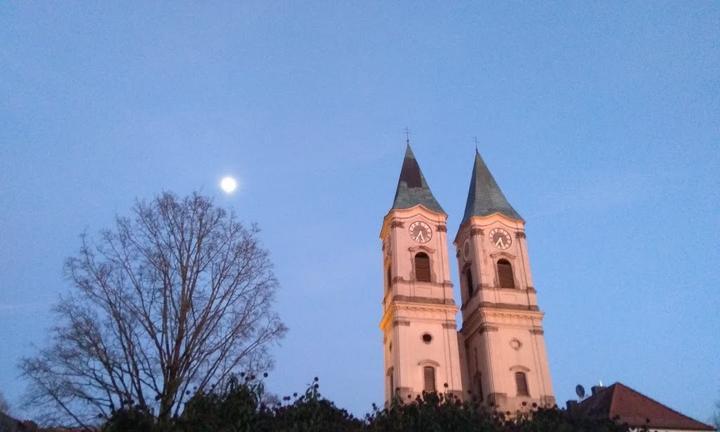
625 405
485 197
412 189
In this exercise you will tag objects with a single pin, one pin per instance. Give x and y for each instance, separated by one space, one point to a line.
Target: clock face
420 232
500 238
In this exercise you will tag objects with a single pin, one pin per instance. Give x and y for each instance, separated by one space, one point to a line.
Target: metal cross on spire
407 135
476 143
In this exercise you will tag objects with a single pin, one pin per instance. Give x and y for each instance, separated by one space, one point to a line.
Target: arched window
521 384
388 275
429 376
469 282
422 267
505 274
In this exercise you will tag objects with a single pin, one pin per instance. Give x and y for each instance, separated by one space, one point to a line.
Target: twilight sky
600 122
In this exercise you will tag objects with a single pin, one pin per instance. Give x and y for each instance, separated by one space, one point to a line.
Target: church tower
502 338
418 323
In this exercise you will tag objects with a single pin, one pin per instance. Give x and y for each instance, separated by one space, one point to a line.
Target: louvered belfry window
422 267
505 274
521 383
429 374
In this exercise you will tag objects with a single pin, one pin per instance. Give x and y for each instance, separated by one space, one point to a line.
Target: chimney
596 389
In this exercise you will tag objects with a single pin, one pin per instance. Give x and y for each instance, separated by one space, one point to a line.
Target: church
498 356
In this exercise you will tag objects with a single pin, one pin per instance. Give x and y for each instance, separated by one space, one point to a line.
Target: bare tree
174 299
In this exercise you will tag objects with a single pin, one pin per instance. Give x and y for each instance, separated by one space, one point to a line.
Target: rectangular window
505 274
429 373
422 267
479 387
392 383
521 383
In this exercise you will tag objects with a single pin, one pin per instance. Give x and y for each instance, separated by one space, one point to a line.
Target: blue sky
599 120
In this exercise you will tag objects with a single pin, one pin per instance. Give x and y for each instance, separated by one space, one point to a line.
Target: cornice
485 314
479 222
506 313
485 328
508 306
424 307
400 279
402 215
414 249
397 224
418 299
502 254
505 306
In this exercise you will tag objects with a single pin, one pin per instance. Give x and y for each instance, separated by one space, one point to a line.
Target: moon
228 184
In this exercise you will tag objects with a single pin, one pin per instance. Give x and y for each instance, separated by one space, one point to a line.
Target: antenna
580 391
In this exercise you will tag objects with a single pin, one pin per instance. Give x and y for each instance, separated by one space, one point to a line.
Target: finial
407 136
476 144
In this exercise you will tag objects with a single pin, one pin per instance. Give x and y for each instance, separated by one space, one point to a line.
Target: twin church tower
498 356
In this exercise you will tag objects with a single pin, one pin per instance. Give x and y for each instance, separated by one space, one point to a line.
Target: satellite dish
580 391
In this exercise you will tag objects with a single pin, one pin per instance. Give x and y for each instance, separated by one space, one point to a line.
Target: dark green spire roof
412 189
485 197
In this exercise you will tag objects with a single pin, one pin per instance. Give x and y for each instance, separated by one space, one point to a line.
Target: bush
310 412
134 419
242 405
235 408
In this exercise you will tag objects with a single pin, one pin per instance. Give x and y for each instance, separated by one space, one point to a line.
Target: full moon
228 184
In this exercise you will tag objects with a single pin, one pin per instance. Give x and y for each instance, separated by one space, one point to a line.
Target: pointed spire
485 197
412 189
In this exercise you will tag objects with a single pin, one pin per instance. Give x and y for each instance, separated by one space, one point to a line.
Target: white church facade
498 356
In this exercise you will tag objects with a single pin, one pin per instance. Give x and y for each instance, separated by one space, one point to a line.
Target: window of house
422 267
505 274
429 375
521 384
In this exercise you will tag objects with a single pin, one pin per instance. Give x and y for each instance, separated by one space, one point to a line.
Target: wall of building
412 309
